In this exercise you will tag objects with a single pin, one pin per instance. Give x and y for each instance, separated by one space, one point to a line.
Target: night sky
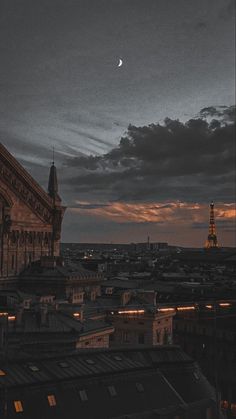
141 149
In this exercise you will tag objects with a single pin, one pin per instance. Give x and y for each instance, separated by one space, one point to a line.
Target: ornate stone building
30 218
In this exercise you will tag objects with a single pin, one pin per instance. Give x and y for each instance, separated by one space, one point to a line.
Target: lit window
18 406
233 409
139 387
224 404
51 400
83 395
2 373
112 391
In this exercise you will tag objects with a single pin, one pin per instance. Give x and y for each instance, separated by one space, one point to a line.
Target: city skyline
125 171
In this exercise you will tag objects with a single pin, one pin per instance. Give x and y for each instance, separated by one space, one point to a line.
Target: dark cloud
174 160
228 11
86 206
200 25
224 113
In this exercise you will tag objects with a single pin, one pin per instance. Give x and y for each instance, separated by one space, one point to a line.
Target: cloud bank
173 161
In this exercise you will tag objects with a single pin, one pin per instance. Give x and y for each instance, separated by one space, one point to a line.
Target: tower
212 242
57 212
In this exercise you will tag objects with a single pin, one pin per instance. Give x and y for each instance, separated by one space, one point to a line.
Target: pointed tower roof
52 183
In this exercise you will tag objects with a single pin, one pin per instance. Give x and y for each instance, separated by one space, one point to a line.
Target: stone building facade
136 326
30 218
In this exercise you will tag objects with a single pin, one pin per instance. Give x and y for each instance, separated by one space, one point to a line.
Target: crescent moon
120 62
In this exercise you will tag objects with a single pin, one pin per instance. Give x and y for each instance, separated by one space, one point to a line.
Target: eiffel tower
212 241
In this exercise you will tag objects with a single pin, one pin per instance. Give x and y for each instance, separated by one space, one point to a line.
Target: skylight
90 361
33 368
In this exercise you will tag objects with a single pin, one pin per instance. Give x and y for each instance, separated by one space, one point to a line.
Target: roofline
16 166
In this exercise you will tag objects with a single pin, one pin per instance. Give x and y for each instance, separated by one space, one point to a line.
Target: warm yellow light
209 306
18 406
76 314
2 373
131 312
3 314
166 309
224 304
51 400
186 308
11 318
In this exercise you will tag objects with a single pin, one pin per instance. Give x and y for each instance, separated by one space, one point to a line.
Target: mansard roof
148 382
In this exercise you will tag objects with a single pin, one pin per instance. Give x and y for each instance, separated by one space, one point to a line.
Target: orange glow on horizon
155 212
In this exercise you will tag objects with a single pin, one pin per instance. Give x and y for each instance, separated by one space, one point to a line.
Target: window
83 395
125 336
224 404
139 387
209 413
2 373
196 375
141 338
117 358
12 261
112 391
51 400
233 409
18 406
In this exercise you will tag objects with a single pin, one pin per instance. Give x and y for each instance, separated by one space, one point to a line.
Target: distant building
212 241
42 328
53 276
134 325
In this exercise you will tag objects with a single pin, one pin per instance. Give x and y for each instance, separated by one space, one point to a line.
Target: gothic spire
52 182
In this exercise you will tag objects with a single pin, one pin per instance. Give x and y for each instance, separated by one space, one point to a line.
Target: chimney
43 315
125 297
19 315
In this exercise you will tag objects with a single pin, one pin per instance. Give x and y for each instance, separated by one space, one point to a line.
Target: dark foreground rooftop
161 382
